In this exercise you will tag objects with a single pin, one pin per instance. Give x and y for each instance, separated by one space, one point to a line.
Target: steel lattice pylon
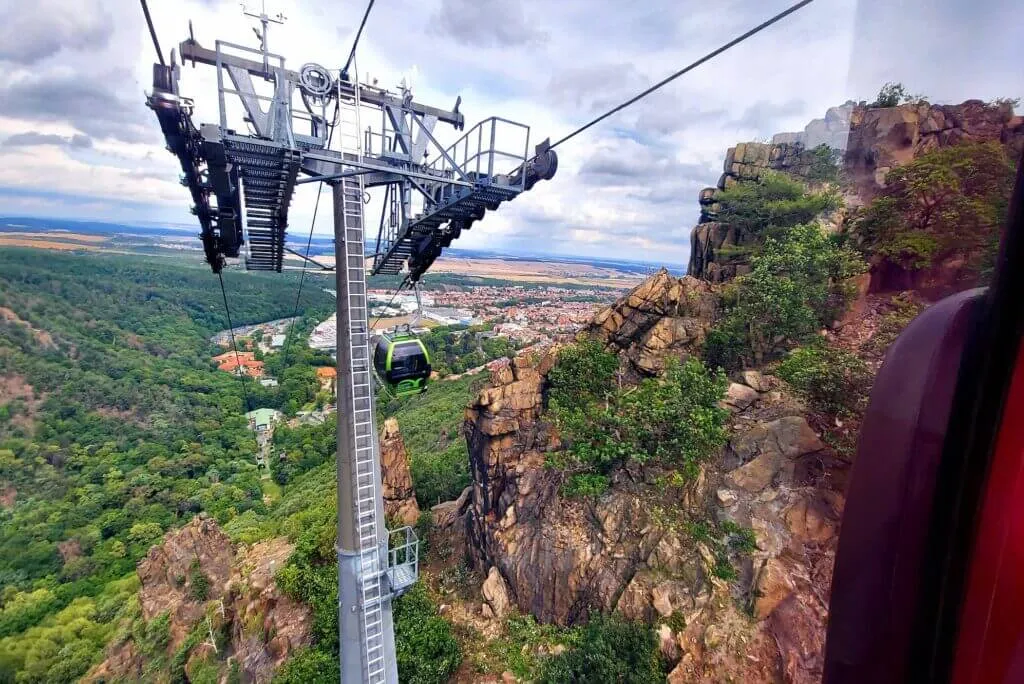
241 188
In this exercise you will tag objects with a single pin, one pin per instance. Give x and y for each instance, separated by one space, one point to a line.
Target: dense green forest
114 427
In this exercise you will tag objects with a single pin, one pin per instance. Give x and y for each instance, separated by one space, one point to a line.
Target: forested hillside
114 427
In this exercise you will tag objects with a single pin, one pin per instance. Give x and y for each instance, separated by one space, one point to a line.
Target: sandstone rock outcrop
882 138
873 139
167 573
264 625
560 558
713 253
661 317
399 497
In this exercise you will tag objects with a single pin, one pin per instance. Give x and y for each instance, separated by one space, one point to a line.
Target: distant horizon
58 224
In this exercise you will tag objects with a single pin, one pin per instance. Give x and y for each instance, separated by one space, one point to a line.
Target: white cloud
626 188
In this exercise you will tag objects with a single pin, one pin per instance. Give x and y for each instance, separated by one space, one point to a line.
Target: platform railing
403 558
476 153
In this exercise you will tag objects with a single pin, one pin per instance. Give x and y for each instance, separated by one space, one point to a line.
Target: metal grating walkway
423 239
267 173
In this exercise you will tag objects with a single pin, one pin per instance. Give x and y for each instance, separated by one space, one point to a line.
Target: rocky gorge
633 550
661 548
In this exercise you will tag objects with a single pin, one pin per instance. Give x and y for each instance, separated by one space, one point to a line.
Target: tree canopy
771 204
947 203
674 419
797 284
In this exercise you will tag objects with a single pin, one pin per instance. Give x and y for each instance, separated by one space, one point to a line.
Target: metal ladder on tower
371 571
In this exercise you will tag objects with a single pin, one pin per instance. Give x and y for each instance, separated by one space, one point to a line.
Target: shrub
424 642
424 524
947 202
833 380
317 587
310 666
1011 102
440 474
723 569
892 94
584 485
739 538
199 584
725 345
797 284
674 419
889 95
584 372
522 647
195 636
723 540
676 621
610 649
903 310
153 637
824 164
773 203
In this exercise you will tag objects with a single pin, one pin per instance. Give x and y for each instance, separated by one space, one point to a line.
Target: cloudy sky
76 140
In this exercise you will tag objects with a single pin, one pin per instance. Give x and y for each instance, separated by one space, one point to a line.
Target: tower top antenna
265 21
263 16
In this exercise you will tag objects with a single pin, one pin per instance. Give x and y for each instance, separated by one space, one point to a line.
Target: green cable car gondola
402 364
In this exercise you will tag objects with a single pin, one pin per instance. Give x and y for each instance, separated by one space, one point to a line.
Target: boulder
755 380
495 593
757 474
739 397
810 522
773 586
788 436
726 497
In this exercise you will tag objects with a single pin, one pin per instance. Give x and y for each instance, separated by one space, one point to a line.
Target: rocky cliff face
883 138
631 550
874 140
558 558
664 316
399 497
713 244
263 626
